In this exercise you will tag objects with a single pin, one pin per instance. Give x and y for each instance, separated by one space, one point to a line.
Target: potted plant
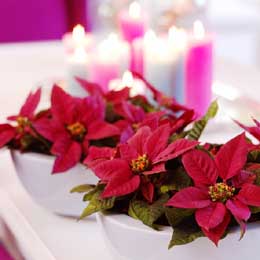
51 148
181 190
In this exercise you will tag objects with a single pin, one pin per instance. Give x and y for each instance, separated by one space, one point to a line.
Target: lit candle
77 66
133 25
137 56
137 87
133 22
178 40
199 70
109 60
77 38
163 62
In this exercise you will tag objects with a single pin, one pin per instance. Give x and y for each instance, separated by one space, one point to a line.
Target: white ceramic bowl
52 191
129 239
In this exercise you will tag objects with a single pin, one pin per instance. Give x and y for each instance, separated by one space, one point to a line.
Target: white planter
129 239
52 191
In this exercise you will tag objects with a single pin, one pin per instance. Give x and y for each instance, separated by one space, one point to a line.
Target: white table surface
41 234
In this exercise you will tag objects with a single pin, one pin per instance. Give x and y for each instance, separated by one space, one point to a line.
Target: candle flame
78 34
199 30
135 10
128 79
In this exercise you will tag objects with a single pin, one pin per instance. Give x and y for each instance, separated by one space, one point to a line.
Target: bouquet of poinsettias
148 158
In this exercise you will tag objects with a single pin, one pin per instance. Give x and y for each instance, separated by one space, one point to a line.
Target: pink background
31 20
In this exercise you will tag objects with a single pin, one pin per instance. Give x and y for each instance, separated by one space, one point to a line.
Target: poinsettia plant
72 126
198 189
148 157
161 174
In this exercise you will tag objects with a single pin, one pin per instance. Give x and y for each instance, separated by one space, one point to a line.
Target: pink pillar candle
199 71
137 56
103 73
132 22
108 61
133 25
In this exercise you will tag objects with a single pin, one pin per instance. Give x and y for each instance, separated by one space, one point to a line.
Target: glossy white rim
126 222
129 223
39 157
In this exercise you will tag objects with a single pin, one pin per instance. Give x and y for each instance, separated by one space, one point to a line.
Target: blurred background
236 23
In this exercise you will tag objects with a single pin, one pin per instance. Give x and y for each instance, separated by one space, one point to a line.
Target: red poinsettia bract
74 123
221 188
143 155
253 130
134 117
112 96
24 120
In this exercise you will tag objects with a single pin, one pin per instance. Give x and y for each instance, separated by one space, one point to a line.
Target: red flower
134 117
221 188
185 119
74 123
24 120
98 155
144 154
254 130
112 96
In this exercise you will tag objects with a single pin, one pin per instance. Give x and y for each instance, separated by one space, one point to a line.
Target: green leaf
178 181
175 215
82 188
131 212
26 141
139 101
97 204
148 214
199 126
88 196
184 236
178 136
255 210
254 156
257 180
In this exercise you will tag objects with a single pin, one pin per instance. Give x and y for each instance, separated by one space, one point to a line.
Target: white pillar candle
77 45
77 66
163 61
109 60
178 39
137 87
77 38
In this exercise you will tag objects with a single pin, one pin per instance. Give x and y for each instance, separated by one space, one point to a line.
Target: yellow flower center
140 164
22 123
77 130
135 127
221 192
